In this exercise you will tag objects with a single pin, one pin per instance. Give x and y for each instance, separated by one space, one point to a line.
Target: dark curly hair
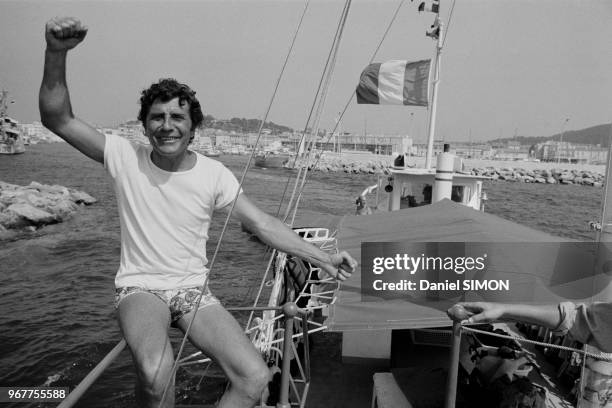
167 89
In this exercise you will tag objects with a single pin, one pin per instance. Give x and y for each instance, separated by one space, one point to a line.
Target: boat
212 152
272 160
400 348
11 139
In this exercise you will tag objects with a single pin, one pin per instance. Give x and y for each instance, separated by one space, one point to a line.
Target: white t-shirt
164 215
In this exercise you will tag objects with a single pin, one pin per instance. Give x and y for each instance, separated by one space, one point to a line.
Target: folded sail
394 83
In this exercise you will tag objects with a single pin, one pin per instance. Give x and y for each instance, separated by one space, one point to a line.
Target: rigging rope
242 178
333 57
258 296
341 115
450 17
312 108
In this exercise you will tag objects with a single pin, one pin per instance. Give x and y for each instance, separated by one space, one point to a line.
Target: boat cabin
412 187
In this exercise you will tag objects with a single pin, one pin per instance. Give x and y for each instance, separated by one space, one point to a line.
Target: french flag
394 83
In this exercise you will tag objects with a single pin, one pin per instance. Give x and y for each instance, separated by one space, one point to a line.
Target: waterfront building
566 152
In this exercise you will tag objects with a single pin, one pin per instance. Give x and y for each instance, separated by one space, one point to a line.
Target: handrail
453 372
291 311
93 375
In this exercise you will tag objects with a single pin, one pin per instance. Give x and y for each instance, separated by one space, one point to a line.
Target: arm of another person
483 312
63 34
279 236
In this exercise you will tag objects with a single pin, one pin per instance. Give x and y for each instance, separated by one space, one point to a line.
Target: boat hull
272 161
14 148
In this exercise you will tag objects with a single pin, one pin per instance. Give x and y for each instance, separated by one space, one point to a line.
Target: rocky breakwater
346 165
372 164
545 176
35 205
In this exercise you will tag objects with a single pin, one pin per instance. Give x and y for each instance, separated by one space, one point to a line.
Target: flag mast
439 29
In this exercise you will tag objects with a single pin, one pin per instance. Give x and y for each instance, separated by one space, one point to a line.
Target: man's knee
154 372
256 380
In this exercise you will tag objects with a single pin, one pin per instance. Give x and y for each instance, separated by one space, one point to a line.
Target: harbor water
56 284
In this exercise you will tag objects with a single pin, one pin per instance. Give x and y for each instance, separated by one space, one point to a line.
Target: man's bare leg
144 321
219 336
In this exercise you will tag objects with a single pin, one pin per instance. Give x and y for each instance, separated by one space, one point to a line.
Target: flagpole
434 97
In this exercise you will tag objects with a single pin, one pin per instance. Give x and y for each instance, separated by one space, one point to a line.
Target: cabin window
457 193
415 195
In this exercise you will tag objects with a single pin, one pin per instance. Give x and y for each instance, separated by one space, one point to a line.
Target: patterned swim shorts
180 301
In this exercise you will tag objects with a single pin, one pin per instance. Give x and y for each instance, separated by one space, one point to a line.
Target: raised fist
64 33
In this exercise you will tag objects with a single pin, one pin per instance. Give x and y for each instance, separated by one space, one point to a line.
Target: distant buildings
231 138
35 133
566 152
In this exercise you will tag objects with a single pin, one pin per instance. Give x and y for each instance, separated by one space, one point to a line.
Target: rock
12 221
38 204
33 214
8 186
551 180
62 208
81 197
53 189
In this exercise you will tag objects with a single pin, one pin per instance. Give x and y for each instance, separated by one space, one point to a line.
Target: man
590 324
166 195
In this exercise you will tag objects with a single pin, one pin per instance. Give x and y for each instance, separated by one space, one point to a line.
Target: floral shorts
180 301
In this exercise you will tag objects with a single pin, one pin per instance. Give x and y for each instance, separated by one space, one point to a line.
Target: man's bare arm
63 34
484 312
276 234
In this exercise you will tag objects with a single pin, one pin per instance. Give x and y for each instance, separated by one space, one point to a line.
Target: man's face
168 127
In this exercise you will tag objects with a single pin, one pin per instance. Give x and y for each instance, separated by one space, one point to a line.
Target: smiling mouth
168 138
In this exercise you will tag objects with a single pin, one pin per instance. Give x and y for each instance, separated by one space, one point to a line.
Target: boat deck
420 371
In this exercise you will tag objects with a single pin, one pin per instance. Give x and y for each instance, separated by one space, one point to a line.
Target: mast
434 94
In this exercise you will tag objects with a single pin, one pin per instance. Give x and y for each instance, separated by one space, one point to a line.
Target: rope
226 223
353 93
599 356
450 17
320 109
312 108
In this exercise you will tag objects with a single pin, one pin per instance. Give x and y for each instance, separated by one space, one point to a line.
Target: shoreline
525 171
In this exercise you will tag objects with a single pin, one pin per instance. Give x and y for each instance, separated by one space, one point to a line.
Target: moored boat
270 160
11 139
212 152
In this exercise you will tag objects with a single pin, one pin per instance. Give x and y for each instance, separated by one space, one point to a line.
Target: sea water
56 284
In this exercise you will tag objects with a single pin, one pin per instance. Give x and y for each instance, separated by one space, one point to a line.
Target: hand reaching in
341 266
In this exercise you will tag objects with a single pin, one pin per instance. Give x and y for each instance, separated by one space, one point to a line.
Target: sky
508 66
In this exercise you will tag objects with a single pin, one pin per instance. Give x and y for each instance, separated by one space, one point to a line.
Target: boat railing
93 375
